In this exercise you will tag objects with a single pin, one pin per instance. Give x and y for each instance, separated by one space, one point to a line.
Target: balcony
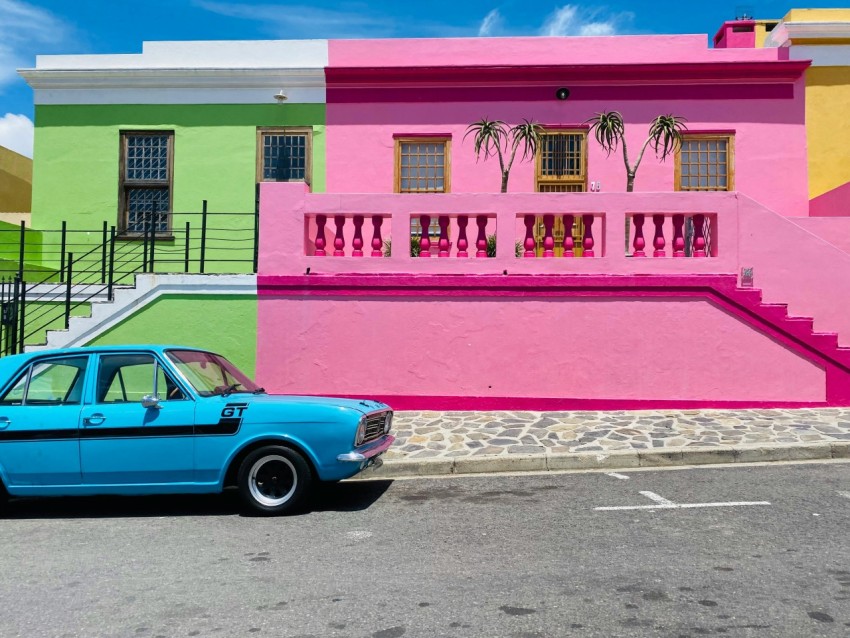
495 233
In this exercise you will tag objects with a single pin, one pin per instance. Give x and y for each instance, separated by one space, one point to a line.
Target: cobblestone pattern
457 434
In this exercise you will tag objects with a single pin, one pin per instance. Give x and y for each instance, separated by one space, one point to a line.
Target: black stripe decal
226 427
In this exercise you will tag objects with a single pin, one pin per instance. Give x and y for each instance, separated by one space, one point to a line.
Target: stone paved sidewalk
425 438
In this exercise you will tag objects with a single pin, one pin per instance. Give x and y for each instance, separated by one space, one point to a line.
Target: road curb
616 460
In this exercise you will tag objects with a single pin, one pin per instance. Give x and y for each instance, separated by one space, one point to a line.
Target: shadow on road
341 497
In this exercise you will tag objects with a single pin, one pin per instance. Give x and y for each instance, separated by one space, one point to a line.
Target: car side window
126 378
53 382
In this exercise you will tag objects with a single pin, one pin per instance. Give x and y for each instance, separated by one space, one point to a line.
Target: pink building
642 304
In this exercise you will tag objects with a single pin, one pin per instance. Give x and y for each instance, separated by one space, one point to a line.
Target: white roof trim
787 31
218 54
175 86
820 55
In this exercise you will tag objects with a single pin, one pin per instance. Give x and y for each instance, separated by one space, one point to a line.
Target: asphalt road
497 556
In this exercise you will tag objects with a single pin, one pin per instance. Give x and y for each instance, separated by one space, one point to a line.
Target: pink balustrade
673 235
448 236
610 233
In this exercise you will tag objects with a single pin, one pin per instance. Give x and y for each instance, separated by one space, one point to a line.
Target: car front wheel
274 480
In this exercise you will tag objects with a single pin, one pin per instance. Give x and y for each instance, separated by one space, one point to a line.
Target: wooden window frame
540 179
447 161
286 130
730 161
124 185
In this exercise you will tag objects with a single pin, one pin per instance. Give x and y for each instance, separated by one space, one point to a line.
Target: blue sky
31 27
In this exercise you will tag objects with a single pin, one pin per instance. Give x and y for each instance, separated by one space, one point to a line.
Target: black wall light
562 94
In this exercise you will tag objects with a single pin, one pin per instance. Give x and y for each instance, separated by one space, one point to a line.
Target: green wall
226 324
76 160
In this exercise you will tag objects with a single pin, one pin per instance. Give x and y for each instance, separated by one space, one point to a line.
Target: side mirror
151 401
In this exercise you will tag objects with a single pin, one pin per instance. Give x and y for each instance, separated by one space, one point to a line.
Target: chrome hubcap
273 480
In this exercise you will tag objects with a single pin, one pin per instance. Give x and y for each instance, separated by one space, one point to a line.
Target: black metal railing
34 299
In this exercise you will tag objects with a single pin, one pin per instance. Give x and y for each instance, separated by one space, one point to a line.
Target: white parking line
844 494
622 477
666 504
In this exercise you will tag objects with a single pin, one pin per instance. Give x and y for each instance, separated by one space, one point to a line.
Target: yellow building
15 182
823 36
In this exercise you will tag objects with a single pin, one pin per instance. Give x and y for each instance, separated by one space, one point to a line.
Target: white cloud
294 21
16 133
491 23
25 30
571 19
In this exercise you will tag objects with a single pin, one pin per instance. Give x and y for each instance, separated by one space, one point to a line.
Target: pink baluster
462 242
377 242
321 242
658 241
481 241
548 238
569 242
357 243
339 240
588 236
639 242
529 242
424 237
444 236
699 236
678 237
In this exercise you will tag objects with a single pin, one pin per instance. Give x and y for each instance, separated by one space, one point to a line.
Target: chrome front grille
375 425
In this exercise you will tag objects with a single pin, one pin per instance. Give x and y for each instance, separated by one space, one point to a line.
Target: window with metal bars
705 163
422 165
146 181
284 154
561 163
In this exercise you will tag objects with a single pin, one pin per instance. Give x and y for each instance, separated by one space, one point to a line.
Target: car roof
14 362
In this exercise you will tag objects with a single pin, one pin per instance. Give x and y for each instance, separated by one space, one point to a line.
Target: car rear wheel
273 480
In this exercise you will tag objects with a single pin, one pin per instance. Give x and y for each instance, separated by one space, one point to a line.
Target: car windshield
211 374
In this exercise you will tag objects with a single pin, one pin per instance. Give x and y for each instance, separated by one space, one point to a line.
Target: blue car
170 419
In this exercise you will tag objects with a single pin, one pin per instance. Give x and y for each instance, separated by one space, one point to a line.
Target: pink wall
796 267
640 49
834 203
737 34
571 347
835 230
360 155
748 91
349 314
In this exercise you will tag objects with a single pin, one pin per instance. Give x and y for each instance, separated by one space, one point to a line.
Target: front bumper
367 452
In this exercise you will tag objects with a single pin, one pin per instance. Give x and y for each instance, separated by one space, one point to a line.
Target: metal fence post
22 314
111 263
13 328
103 254
153 237
186 256
23 241
62 252
144 245
256 239
3 316
68 291
203 235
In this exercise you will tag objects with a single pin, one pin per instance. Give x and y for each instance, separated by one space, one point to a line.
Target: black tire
4 499
273 480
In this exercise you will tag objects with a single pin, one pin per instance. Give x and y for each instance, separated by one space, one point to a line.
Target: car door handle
4 422
94 419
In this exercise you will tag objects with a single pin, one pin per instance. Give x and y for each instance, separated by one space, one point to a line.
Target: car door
139 428
39 421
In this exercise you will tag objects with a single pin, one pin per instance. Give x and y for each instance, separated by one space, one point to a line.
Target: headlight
361 432
388 423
